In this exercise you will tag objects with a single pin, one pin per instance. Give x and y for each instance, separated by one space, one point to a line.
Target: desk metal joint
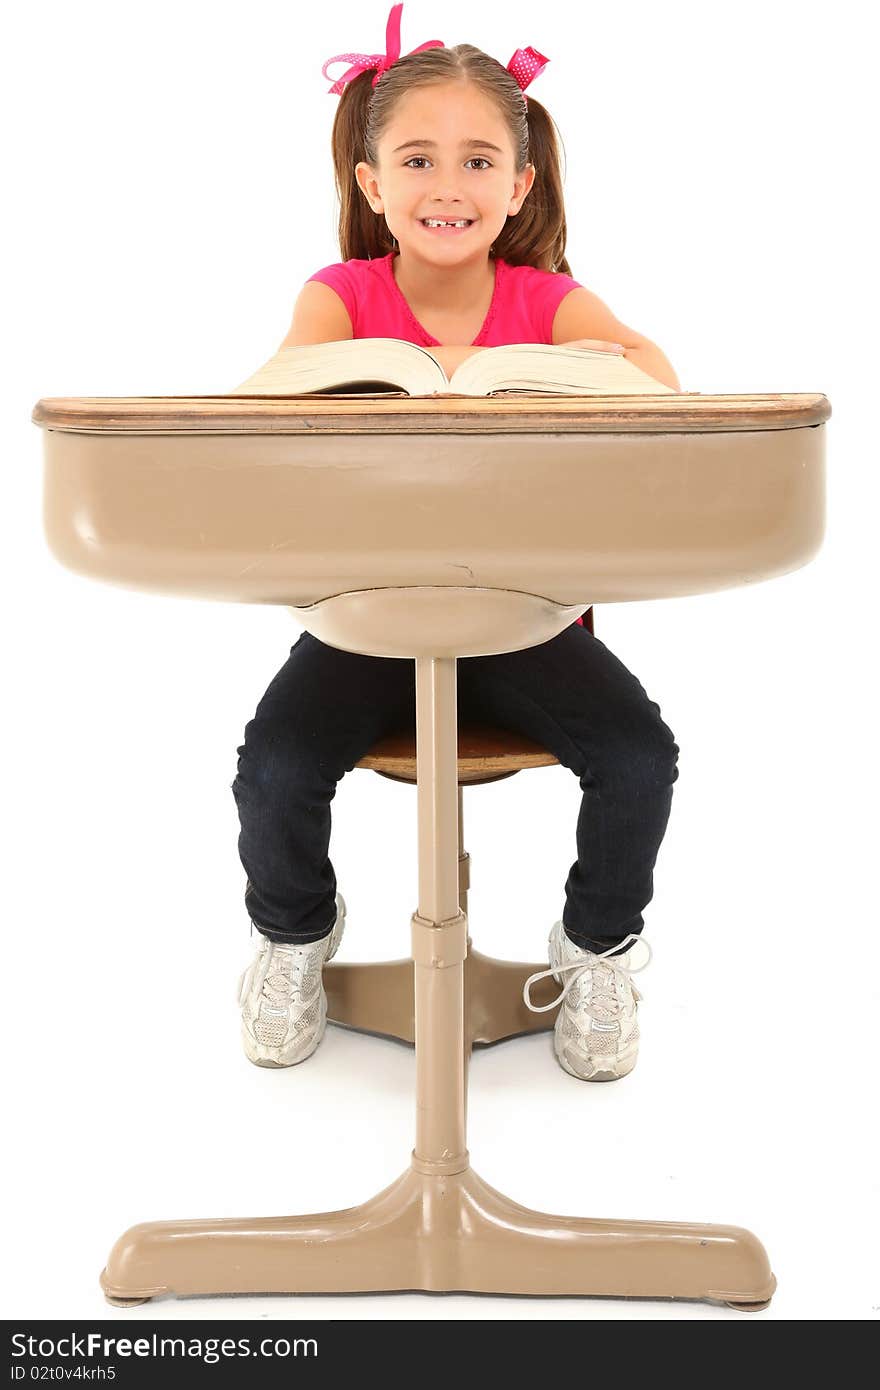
439 944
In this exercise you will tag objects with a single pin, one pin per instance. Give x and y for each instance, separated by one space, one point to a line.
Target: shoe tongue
603 994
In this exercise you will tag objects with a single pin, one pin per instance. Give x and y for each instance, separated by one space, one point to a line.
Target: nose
444 189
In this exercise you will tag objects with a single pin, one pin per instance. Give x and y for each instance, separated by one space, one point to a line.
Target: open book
396 367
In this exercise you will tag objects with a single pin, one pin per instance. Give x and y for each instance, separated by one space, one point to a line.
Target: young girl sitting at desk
452 230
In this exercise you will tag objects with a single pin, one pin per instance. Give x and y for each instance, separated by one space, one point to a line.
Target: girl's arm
582 314
650 359
319 316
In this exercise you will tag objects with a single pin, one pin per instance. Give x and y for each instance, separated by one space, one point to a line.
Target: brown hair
535 236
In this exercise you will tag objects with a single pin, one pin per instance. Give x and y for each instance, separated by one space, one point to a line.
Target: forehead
454 115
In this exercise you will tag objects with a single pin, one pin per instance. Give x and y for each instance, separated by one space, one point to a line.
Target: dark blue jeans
326 708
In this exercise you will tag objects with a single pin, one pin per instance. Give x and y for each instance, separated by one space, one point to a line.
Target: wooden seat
485 753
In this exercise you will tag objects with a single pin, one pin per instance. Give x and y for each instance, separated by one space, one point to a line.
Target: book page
559 369
370 365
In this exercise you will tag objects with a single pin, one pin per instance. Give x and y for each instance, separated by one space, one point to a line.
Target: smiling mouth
435 224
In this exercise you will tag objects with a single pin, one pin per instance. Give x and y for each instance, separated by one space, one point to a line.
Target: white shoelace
257 972
610 962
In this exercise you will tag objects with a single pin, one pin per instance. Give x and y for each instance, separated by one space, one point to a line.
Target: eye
477 157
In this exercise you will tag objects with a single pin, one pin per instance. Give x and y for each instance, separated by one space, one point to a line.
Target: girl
452 230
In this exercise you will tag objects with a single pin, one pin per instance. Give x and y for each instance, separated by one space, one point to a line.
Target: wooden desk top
686 413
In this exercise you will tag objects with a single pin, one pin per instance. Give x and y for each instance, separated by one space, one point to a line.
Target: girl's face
447 154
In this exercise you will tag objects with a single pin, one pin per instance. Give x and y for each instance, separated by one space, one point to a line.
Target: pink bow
525 65
379 61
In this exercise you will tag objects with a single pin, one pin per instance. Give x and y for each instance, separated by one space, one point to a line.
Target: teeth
436 222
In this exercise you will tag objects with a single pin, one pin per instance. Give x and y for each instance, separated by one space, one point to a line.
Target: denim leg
321 713
577 699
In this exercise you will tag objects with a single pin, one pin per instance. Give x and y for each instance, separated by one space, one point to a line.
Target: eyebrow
432 145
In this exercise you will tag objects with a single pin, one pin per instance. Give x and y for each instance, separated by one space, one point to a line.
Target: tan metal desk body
430 528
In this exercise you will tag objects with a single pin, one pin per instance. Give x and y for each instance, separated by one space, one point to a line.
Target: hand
597 345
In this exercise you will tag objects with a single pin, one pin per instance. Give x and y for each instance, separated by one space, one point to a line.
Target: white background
171 189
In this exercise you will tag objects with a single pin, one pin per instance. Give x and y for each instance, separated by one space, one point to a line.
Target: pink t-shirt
524 304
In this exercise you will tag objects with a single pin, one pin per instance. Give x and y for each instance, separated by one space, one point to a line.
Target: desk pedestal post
439 928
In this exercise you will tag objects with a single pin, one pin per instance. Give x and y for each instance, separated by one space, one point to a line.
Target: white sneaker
596 1037
282 998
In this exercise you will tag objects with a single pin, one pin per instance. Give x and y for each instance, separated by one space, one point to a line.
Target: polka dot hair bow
361 62
525 65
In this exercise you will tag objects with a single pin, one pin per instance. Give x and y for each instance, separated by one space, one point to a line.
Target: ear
369 185
521 188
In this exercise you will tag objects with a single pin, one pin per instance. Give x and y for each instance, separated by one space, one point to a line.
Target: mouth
440 227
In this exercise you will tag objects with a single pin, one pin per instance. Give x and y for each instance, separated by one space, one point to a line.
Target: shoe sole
592 1070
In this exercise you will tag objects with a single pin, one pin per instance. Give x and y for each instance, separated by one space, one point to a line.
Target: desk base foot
450 1233
379 997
